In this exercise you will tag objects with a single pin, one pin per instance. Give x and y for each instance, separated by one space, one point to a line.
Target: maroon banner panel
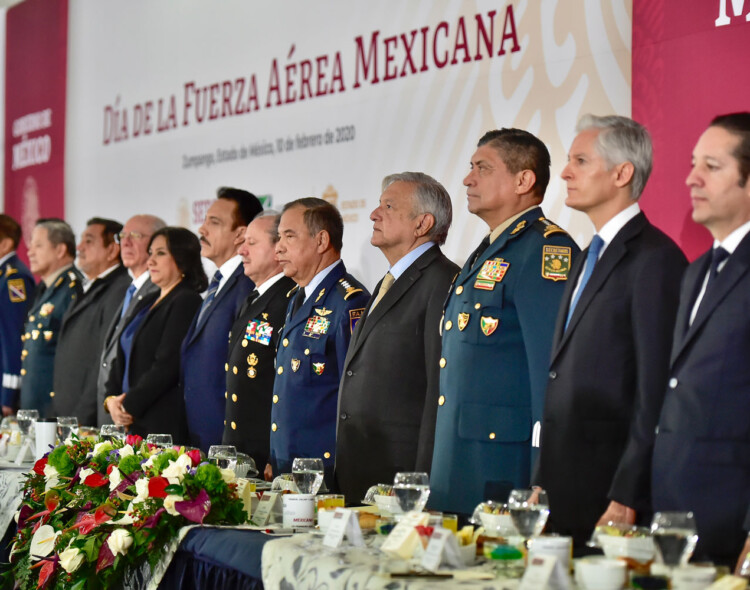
689 64
36 56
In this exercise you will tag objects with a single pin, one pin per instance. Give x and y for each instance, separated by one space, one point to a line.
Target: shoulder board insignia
322 292
519 227
72 276
58 282
323 311
10 270
292 291
347 288
545 227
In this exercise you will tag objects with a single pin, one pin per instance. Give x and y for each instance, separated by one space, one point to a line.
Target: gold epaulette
545 227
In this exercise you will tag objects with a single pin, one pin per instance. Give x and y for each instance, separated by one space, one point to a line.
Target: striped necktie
210 294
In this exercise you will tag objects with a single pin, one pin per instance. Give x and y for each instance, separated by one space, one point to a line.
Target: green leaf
174 488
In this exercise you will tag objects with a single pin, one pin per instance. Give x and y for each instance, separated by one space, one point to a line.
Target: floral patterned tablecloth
11 482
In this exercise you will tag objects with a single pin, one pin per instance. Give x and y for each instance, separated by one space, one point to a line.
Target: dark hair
59 232
111 228
520 150
320 215
738 124
185 248
247 205
10 228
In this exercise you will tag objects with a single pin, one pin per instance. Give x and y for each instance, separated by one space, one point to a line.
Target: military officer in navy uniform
253 341
16 291
320 320
497 328
51 255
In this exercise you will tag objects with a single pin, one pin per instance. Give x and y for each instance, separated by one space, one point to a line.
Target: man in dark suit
612 339
701 457
16 292
253 341
85 322
51 255
204 350
320 320
141 292
498 325
390 379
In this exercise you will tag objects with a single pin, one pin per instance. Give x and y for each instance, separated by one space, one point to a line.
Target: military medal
252 360
46 309
556 262
322 311
463 320
318 368
492 272
316 326
488 324
48 335
258 331
295 365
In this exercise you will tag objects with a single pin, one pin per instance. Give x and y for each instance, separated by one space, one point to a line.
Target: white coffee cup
46 435
693 577
299 511
560 547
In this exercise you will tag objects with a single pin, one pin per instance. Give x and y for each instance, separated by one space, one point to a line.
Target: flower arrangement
91 510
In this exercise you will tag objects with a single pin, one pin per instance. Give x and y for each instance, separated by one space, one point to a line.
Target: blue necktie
128 298
210 294
591 258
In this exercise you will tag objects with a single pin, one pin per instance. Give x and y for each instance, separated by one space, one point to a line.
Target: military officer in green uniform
497 328
51 255
325 307
16 291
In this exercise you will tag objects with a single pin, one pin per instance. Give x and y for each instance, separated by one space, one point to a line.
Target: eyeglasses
133 235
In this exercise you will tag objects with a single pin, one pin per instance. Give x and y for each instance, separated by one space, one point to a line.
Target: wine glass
529 509
223 456
26 419
160 440
112 432
675 537
66 425
307 474
412 489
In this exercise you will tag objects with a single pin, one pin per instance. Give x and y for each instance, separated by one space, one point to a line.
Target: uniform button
448 325
673 383
349 373
276 399
234 369
307 351
32 319
443 362
234 397
656 430
274 427
225 395
244 344
344 415
23 371
441 400
459 290
234 425
104 365
286 342
477 305
225 422
52 394
326 455
39 325
280 371
226 366
492 436
553 374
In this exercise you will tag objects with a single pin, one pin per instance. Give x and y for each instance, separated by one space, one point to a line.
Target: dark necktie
483 245
210 295
299 299
248 302
39 291
128 298
591 259
718 256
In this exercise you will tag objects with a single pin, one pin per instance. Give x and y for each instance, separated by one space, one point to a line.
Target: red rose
39 466
133 440
156 487
195 457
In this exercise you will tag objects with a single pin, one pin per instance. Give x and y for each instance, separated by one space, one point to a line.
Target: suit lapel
735 269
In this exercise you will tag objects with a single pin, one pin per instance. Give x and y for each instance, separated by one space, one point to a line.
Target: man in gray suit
389 389
133 240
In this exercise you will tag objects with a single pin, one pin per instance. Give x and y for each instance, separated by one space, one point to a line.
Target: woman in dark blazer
144 379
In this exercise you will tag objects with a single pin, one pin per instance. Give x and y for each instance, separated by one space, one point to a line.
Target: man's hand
118 413
617 512
7 411
268 472
743 554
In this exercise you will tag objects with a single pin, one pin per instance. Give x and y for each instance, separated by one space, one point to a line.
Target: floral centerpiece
91 510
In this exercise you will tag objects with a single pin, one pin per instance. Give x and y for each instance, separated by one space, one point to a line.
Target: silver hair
623 140
273 229
59 232
430 197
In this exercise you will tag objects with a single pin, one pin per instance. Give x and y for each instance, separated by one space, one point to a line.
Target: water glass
160 440
412 489
26 419
66 425
112 432
223 456
675 537
529 509
307 474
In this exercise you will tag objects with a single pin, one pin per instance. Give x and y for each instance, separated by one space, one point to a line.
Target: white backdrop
573 57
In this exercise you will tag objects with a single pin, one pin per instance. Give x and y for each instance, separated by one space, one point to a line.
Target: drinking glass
66 425
529 510
307 474
26 419
112 432
160 440
223 456
412 489
675 537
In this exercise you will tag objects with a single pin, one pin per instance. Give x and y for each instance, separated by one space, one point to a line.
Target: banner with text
168 102
35 80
